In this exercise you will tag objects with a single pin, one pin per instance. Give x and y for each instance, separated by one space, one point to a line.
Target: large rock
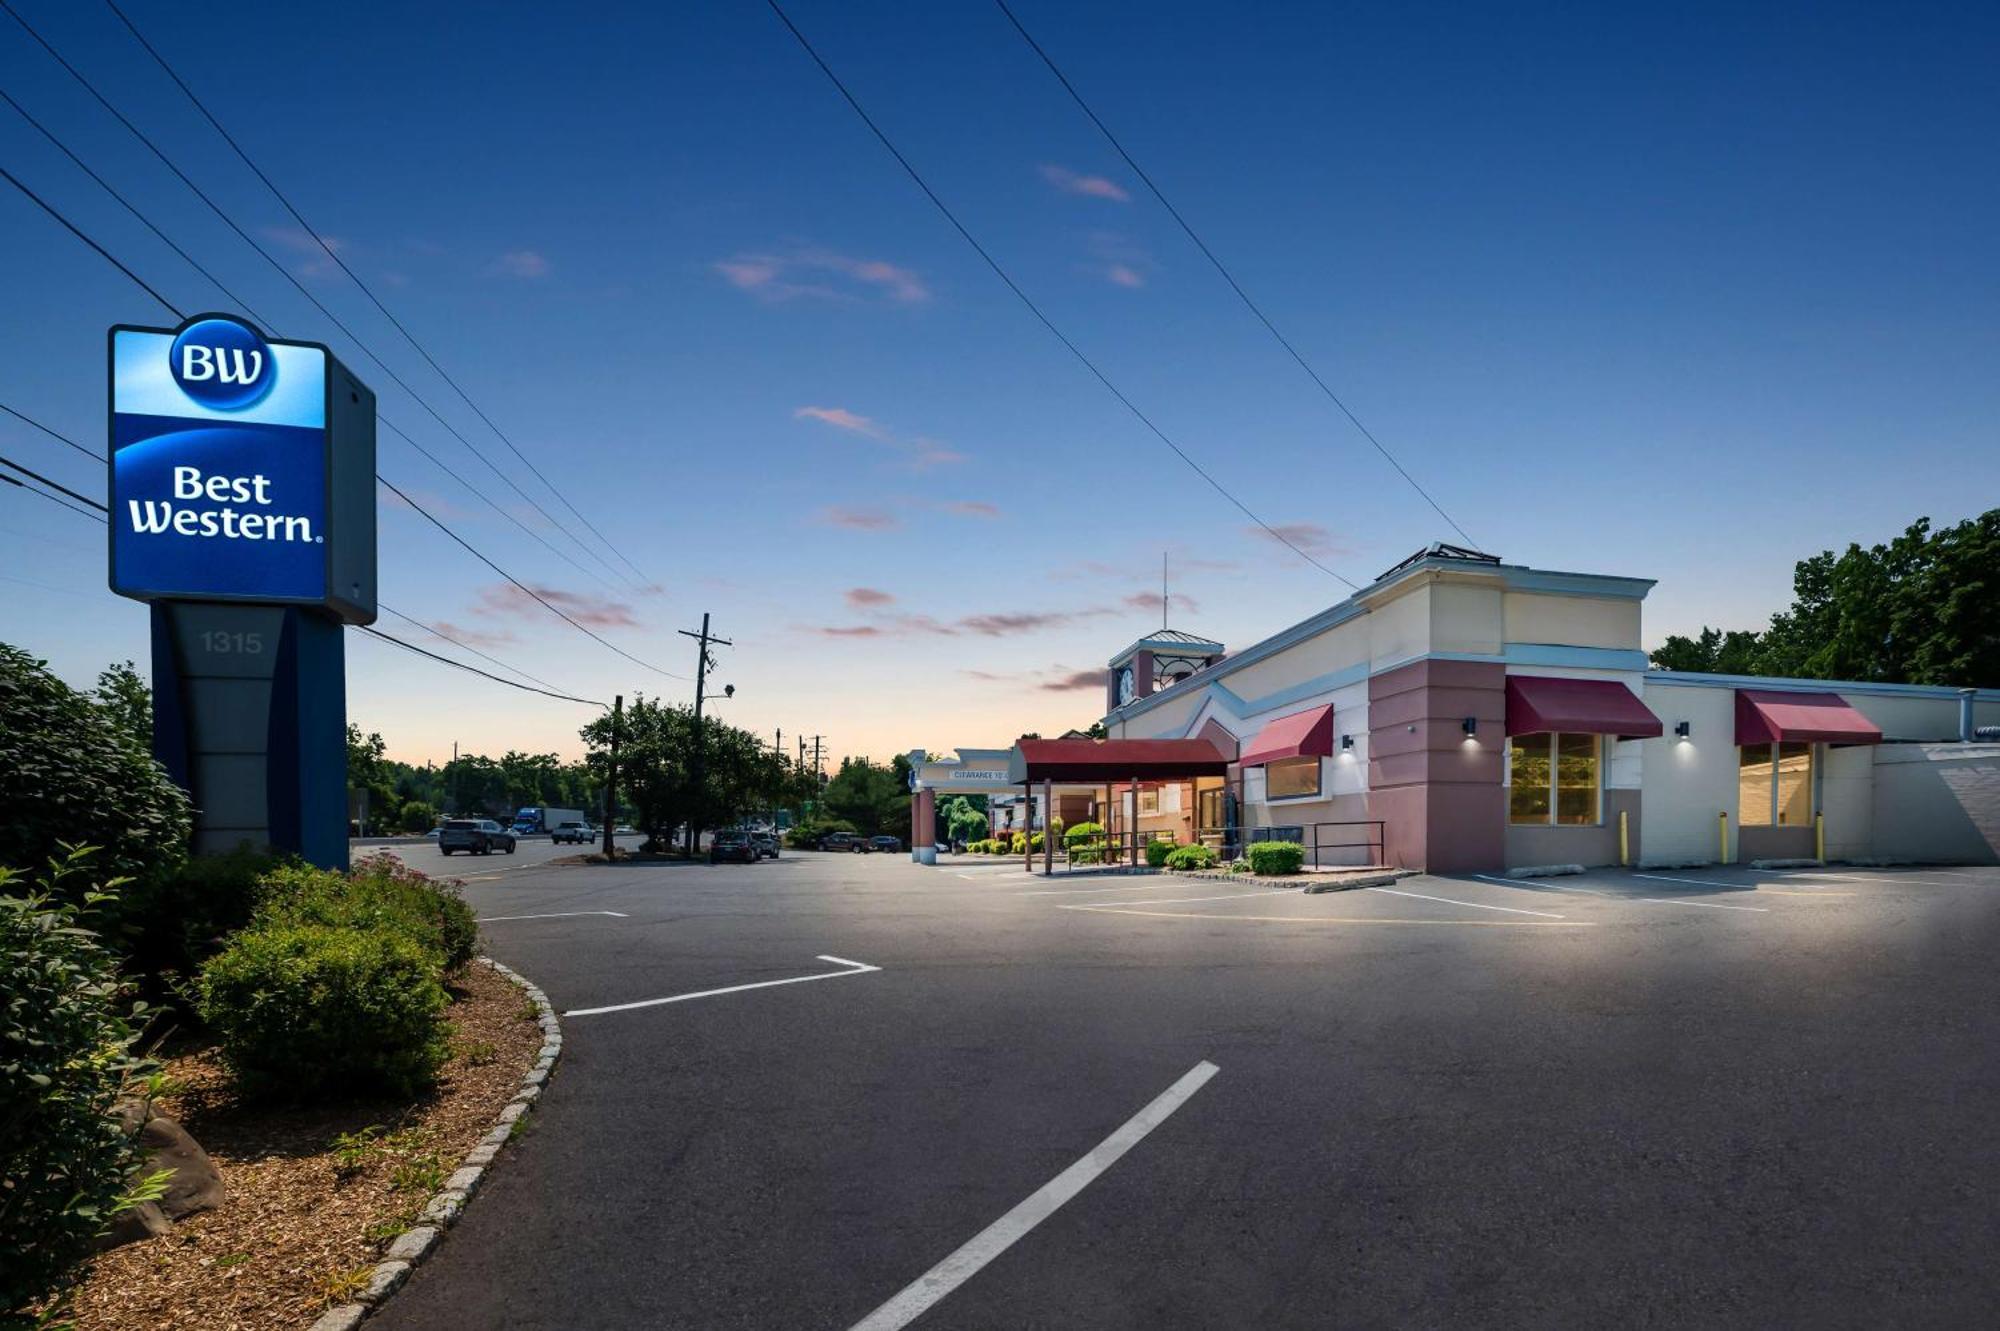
144 1221
196 1184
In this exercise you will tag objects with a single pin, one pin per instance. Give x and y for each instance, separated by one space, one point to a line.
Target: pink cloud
972 508
474 637
862 598
522 263
842 419
858 519
934 455
1119 274
506 600
1073 681
1307 536
1151 601
849 631
1095 187
805 272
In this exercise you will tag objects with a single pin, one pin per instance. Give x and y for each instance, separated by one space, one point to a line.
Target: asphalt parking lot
838 1091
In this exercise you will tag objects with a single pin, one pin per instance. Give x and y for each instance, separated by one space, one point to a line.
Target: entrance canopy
1307 734
1094 760
1771 716
1539 703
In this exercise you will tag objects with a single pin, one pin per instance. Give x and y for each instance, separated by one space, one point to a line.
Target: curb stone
420 1240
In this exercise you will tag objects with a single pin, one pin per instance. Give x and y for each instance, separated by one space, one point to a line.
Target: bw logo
222 364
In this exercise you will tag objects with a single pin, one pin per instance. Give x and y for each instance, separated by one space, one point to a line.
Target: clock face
1125 686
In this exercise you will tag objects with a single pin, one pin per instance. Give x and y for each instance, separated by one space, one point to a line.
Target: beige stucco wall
1338 648
1937 802
1574 621
1907 718
1467 617
1169 720
1399 629
1847 787
1688 782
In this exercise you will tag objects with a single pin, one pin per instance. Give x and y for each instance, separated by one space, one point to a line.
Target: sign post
243 511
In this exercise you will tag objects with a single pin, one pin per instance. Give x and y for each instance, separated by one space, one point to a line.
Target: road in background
1706 1098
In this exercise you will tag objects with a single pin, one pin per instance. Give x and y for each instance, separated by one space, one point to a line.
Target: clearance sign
241 470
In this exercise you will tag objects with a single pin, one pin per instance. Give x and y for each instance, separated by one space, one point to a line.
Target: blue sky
1686 293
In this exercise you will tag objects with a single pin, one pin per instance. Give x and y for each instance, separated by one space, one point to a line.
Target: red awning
1097 760
1536 703
1768 716
1307 734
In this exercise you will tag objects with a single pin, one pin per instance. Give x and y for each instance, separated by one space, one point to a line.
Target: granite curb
421 1239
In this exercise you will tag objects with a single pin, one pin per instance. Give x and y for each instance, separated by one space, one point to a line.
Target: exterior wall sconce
1346 742
1681 729
1471 726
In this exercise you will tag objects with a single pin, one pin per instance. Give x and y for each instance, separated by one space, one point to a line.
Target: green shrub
1019 844
186 919
64 1043
1195 855
1036 842
1157 853
381 893
308 1008
1083 832
74 774
417 817
1275 857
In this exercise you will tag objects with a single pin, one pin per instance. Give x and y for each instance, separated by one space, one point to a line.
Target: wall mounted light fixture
1681 729
1346 742
1471 726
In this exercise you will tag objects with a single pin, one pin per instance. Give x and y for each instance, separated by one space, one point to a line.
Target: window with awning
1538 704
1779 716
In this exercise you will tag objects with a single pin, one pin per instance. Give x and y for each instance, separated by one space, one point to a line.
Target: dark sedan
887 843
736 846
475 836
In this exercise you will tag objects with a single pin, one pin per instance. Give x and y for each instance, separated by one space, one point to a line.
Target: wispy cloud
1118 261
1307 536
1005 624
505 600
474 637
930 454
1056 679
1121 275
313 260
841 419
1073 681
972 508
858 519
1094 187
867 598
1151 601
851 631
918 453
527 264
823 274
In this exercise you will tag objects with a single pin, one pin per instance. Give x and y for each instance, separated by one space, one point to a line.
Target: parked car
573 832
475 836
888 843
732 845
844 841
766 844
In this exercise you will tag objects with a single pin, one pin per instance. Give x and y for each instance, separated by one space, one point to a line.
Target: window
1774 785
1291 778
1553 779
1149 800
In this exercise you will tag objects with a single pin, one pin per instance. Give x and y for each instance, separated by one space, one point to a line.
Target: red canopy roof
1113 759
1307 734
1536 703
1766 716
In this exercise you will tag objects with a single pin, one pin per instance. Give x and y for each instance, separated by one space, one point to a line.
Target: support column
1028 824
923 841
1048 827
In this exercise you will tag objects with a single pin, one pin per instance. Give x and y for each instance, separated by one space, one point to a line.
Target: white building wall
1846 798
1687 782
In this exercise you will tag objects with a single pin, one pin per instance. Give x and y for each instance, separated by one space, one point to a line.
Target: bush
417 817
1195 855
380 893
308 1008
75 775
1083 832
1275 857
63 1061
186 919
805 834
1019 844
1157 852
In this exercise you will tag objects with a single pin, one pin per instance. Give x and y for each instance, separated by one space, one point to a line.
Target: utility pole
818 770
702 664
611 781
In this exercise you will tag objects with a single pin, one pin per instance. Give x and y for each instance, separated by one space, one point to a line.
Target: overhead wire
1227 276
366 290
289 277
917 177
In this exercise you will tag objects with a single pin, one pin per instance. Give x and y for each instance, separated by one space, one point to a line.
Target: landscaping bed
314 1192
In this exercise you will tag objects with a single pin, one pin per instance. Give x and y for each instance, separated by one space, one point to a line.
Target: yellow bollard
1624 841
1819 836
1722 826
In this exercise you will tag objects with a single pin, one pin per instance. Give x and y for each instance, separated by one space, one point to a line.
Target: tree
870 796
126 697
1922 609
962 822
656 749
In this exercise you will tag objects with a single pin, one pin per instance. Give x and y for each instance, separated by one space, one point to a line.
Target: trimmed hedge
1195 855
309 1008
1275 857
1157 853
381 892
1083 832
63 1060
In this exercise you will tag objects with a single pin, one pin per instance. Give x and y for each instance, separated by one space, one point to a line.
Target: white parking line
1476 905
1010 1228
555 915
1179 901
1521 883
1712 905
853 968
1697 882
1886 879
1082 891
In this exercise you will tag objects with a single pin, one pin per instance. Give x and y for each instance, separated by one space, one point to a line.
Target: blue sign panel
220 465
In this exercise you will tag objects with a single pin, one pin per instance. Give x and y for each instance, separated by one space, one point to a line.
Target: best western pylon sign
243 508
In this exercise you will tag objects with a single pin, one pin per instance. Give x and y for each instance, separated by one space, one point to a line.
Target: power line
460 643
251 310
108 256
53 485
427 514
54 499
286 273
475 670
1035 309
53 434
1227 276
366 290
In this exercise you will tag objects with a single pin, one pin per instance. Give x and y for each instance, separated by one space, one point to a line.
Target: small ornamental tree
75 773
1275 858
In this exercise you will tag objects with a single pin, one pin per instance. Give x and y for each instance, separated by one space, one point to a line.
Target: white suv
580 833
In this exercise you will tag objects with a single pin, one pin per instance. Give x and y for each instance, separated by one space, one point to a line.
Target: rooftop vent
1442 550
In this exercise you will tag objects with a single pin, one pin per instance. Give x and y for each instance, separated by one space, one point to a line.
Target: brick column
1438 792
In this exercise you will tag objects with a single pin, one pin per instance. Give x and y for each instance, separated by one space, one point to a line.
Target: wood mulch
304 1223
